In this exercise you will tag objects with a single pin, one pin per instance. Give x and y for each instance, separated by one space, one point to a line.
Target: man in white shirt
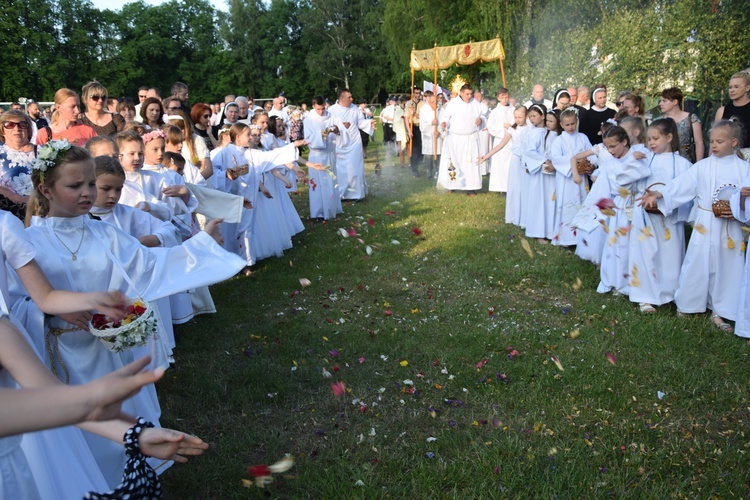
142 95
500 119
278 109
462 120
386 119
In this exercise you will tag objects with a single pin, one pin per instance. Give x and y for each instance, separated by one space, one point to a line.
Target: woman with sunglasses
97 116
65 123
16 156
201 115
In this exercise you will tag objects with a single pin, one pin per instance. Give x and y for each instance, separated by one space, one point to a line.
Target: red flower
371 222
416 231
259 470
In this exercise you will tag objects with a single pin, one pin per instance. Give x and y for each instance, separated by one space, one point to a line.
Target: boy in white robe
350 160
432 143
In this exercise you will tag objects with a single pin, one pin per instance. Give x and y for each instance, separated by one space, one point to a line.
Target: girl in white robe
181 202
246 185
516 136
323 133
540 190
657 243
498 123
52 464
590 244
82 254
568 194
711 274
149 230
622 180
740 204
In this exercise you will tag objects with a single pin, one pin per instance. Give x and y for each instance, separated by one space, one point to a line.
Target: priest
462 120
350 161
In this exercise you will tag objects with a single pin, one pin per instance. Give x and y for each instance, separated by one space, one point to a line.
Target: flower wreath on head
253 126
154 134
49 155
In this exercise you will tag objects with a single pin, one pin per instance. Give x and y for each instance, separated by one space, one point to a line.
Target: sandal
719 323
646 308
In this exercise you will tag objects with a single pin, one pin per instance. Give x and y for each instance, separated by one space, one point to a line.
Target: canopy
463 54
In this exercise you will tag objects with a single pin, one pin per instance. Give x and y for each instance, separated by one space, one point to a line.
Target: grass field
445 337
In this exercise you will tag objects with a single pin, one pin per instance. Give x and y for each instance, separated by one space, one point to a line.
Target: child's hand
175 191
638 155
287 184
143 205
648 200
79 319
577 178
745 191
169 444
300 143
213 228
111 304
107 393
265 192
481 160
315 166
247 203
548 167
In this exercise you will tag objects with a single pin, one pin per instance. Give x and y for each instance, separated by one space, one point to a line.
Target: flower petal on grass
526 247
404 363
611 358
304 282
395 242
416 231
338 389
282 465
557 363
368 249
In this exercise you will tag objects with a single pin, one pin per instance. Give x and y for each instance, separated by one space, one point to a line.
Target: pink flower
338 388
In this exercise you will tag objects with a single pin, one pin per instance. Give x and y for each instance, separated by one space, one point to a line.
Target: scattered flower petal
338 388
611 358
304 282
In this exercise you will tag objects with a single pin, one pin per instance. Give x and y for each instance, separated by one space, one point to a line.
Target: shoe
646 308
719 323
616 293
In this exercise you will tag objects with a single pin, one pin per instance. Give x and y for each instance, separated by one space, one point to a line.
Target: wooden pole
502 72
408 124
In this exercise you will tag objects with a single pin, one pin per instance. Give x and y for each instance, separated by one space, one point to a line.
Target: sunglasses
206 116
12 125
96 97
619 103
142 96
174 109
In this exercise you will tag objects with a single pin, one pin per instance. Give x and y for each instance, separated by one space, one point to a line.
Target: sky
117 4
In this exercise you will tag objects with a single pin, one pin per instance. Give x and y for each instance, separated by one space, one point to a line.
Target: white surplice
461 146
325 199
105 253
590 244
621 176
568 194
500 162
350 160
517 176
657 243
741 212
427 129
540 189
711 274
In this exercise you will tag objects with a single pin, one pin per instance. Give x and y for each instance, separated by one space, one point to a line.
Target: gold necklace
72 253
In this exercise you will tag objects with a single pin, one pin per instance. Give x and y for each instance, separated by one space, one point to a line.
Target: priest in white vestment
462 119
350 160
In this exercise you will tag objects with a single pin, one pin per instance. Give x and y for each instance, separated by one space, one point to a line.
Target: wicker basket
653 210
720 203
585 167
238 170
126 336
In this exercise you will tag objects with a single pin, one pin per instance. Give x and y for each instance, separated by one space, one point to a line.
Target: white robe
540 190
590 245
461 146
517 176
137 223
618 177
711 274
742 213
325 199
427 129
484 139
500 161
156 273
237 237
568 194
270 234
654 259
182 211
350 160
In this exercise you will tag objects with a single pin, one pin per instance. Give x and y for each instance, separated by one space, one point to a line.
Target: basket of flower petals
134 329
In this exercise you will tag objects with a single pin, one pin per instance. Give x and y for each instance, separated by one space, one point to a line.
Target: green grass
249 379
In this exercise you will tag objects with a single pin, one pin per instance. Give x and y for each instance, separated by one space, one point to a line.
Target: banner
463 54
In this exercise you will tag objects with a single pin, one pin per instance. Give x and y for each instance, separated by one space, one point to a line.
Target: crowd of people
156 201
615 185
151 202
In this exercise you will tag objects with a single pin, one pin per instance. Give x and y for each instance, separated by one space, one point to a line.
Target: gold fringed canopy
464 54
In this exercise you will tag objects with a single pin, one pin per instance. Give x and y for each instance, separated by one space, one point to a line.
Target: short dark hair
343 91
178 87
157 91
673 94
466 86
319 100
